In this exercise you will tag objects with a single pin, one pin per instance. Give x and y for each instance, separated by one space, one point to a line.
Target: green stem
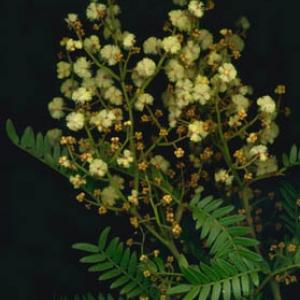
169 244
276 290
271 275
224 145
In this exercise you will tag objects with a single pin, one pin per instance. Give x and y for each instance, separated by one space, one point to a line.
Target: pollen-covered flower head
261 151
75 121
175 70
55 108
222 176
128 40
142 100
180 19
114 95
92 44
196 8
82 68
266 104
126 159
171 44
145 68
111 54
63 70
109 196
227 72
96 11
197 131
98 168
104 119
152 45
82 95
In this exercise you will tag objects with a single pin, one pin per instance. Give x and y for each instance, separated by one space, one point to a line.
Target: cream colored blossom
98 168
174 114
269 133
234 121
152 45
180 19
222 176
184 92
196 8
133 197
227 72
126 159
68 87
202 91
54 136
114 95
214 58
171 44
240 102
261 151
77 181
72 45
197 131
71 18
145 68
128 40
118 182
104 119
96 11
160 163
82 95
92 44
63 70
90 85
142 100
266 104
266 167
205 39
190 52
111 54
55 108
109 196
103 79
137 79
174 70
82 68
75 121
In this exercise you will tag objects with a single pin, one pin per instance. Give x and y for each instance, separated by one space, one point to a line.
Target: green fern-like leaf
292 158
11 132
117 264
218 280
38 146
291 211
224 236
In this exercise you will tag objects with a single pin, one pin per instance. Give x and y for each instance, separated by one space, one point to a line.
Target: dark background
39 216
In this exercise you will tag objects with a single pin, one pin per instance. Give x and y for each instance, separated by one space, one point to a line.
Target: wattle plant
166 133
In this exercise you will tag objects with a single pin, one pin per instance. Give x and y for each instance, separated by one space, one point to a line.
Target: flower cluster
145 151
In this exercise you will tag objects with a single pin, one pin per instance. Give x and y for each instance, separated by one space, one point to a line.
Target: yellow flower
292 248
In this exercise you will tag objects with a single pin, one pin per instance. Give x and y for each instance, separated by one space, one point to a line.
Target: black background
39 216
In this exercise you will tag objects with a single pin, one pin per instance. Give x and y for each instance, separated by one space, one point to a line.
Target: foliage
291 209
293 158
116 264
221 279
38 146
223 232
